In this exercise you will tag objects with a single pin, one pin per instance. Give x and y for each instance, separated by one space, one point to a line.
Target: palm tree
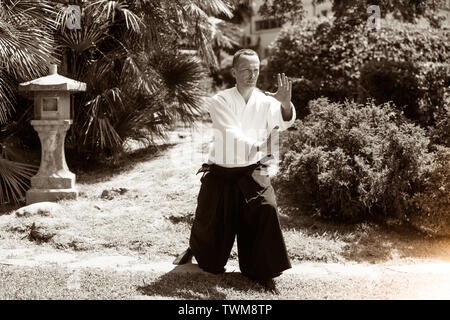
128 54
139 82
226 36
26 48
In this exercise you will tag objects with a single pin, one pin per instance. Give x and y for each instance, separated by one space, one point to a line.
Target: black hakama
238 201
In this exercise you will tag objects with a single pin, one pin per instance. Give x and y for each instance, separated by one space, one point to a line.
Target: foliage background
376 147
337 60
353 162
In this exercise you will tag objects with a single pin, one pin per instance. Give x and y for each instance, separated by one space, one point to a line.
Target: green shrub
351 161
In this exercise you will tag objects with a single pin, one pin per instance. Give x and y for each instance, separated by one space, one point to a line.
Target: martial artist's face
246 71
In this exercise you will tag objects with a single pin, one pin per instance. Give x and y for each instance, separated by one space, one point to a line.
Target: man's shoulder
224 97
225 93
230 93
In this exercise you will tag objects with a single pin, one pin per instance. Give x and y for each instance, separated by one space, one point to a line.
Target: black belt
234 170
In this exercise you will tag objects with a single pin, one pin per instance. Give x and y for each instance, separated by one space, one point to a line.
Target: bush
303 91
441 133
332 54
417 89
296 53
434 105
351 161
394 81
430 208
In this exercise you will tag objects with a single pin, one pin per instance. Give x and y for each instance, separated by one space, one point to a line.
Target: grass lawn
55 283
144 208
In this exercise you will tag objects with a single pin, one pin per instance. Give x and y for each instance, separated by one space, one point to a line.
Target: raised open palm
284 92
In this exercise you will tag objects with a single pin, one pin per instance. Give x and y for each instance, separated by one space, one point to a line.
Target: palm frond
203 40
225 35
149 121
25 48
194 10
214 7
132 21
137 76
107 10
7 98
182 77
103 109
26 53
87 38
14 179
107 135
23 10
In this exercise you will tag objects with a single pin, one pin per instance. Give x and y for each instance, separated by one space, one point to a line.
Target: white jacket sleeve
276 118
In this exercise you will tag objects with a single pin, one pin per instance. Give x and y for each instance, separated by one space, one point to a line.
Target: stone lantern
52 119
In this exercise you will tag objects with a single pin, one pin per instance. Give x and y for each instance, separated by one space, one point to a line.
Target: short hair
243 52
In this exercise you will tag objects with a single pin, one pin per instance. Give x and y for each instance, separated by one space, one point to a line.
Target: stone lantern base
53 181
52 195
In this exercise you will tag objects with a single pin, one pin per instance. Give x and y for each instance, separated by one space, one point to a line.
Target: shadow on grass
366 241
101 171
198 285
7 208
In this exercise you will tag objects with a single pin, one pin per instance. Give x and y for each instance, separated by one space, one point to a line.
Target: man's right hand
269 146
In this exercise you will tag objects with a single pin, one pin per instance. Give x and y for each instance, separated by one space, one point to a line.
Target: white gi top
237 125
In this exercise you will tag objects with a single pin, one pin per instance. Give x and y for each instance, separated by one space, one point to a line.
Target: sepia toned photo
237 151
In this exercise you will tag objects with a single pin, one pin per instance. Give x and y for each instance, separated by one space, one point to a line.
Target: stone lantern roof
53 82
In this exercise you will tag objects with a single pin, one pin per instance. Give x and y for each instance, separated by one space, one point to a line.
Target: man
236 197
